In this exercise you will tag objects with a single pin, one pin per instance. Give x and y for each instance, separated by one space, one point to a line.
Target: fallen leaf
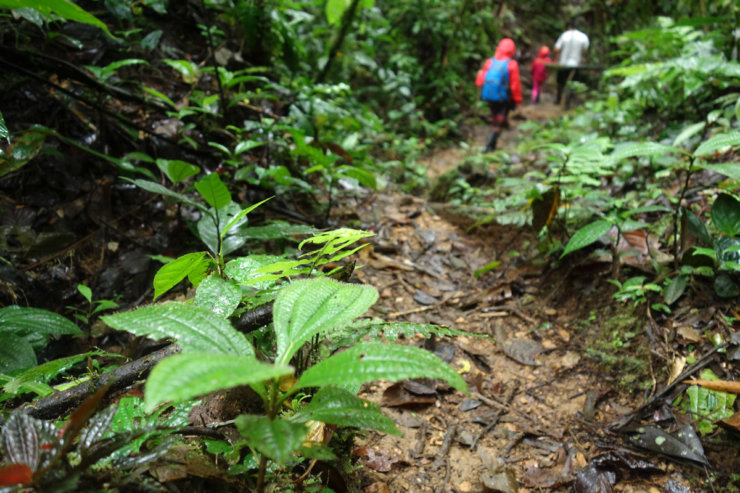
721 385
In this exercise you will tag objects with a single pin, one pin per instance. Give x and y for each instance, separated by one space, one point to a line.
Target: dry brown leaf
721 385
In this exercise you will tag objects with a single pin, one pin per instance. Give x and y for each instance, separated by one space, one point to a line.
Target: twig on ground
495 418
62 402
444 450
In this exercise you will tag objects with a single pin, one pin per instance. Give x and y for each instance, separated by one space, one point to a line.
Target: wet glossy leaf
654 439
725 287
34 324
213 191
310 306
277 229
210 230
171 273
35 379
276 439
15 353
193 327
731 170
373 361
698 228
718 142
176 170
188 375
339 407
726 214
221 296
365 177
675 289
63 8
587 235
239 218
23 149
242 269
96 428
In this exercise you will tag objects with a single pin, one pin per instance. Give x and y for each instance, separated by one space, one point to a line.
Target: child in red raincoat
539 72
500 109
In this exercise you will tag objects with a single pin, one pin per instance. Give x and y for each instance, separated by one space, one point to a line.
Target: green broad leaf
85 291
675 289
213 191
36 378
339 407
210 225
725 287
697 227
4 134
243 269
159 95
310 306
587 235
726 214
365 177
221 296
276 439
63 8
193 327
335 10
238 217
150 186
731 170
188 375
177 170
642 149
245 145
171 273
24 148
34 324
486 268
371 361
277 230
688 132
711 405
15 354
719 142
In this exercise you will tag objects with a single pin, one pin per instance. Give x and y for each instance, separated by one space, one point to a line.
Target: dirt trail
524 422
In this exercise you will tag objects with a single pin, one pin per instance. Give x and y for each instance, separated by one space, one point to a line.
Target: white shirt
571 45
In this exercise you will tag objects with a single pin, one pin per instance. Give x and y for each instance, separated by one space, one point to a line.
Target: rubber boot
492 139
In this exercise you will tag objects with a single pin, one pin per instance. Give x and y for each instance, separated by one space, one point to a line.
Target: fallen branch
62 402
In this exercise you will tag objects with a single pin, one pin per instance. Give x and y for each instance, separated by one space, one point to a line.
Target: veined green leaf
63 8
173 272
30 379
193 327
276 439
688 132
310 306
373 361
587 235
244 269
188 375
731 170
718 142
221 296
34 324
365 177
635 149
339 407
213 190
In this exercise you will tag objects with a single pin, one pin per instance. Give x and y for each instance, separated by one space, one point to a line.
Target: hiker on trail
500 87
569 50
539 72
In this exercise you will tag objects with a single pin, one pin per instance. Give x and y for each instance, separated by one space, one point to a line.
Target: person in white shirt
570 49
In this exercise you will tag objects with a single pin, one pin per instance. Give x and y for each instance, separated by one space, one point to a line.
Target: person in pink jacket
539 72
501 105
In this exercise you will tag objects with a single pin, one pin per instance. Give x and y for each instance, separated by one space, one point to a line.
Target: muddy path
537 409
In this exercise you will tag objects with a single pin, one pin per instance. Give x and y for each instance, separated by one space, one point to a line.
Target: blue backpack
496 85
